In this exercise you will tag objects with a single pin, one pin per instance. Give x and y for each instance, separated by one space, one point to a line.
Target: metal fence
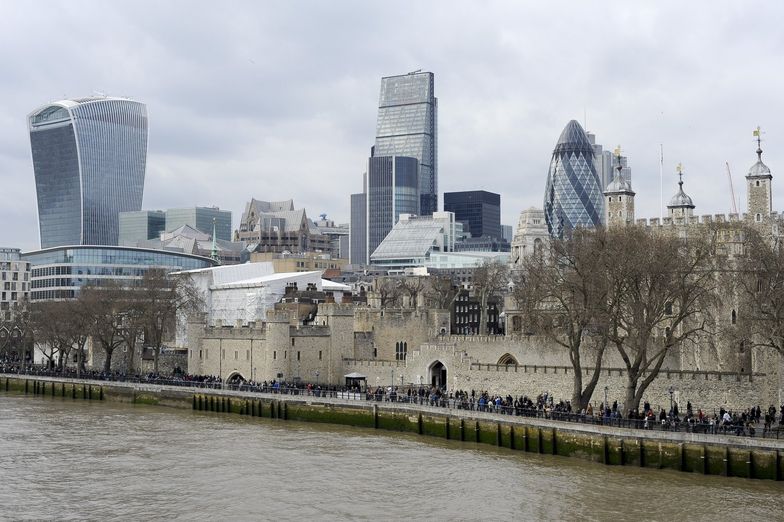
670 423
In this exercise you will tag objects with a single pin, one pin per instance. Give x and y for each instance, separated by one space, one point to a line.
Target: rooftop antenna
732 189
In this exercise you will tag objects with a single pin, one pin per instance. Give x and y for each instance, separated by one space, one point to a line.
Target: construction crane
732 189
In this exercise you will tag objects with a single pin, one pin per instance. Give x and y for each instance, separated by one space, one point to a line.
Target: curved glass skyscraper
573 194
89 158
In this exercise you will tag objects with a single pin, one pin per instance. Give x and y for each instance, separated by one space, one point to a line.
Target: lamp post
317 377
606 406
671 390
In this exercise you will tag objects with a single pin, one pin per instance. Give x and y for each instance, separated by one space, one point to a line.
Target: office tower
140 226
14 283
573 195
478 210
392 190
201 218
358 230
507 233
89 159
408 126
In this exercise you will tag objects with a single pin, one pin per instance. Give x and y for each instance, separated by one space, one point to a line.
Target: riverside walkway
540 419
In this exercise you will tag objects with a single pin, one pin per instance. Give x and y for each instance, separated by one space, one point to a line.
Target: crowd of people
751 422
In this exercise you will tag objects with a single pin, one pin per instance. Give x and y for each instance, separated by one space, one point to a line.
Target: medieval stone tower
618 198
758 187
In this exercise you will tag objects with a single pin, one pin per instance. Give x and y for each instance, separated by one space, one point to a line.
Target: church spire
214 254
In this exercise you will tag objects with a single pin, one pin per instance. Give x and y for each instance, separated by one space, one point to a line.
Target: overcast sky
278 100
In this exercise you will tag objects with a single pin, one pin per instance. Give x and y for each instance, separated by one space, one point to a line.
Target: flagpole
661 182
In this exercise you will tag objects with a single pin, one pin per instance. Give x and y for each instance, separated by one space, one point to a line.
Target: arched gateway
437 372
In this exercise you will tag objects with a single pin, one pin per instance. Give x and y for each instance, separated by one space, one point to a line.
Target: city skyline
502 99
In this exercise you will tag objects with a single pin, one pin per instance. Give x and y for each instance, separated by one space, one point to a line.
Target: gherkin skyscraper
573 194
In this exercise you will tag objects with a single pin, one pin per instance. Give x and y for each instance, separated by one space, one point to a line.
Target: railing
620 372
423 396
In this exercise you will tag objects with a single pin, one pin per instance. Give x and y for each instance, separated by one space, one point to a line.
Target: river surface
61 459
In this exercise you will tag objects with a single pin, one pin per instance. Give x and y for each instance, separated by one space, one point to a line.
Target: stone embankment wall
694 453
707 390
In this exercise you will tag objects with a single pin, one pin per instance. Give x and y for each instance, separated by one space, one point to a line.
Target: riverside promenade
714 454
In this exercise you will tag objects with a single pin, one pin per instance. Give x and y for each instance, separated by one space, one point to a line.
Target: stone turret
681 205
759 188
619 198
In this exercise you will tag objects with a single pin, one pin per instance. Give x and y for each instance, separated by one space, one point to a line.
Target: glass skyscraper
89 159
408 126
392 190
478 210
573 195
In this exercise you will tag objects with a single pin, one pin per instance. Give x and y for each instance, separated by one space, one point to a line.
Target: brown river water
101 461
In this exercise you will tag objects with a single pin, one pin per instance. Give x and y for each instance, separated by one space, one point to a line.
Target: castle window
734 317
235 355
758 183
319 355
610 200
401 349
274 355
758 217
668 308
298 355
292 341
620 198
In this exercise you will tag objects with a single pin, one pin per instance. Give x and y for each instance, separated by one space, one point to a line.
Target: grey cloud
278 99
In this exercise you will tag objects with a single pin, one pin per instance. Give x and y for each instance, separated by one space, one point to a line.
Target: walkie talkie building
573 195
89 159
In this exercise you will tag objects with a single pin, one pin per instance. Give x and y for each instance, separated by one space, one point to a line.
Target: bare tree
564 295
103 308
16 332
662 286
388 291
441 293
490 278
51 329
759 283
160 299
412 287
